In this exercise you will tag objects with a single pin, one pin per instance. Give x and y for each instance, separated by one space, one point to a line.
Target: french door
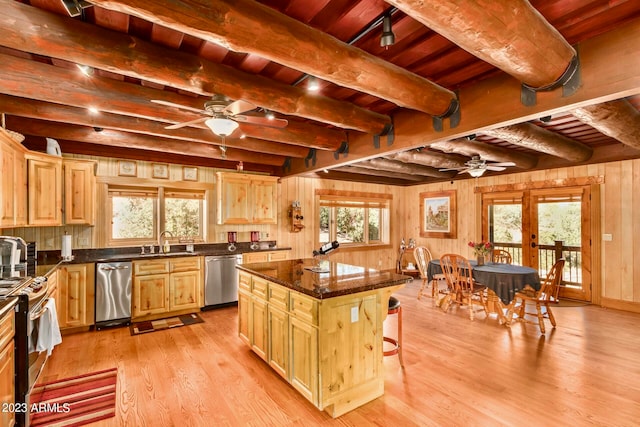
539 226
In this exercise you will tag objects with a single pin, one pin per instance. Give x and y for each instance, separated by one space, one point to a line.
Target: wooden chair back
458 273
551 285
502 256
422 256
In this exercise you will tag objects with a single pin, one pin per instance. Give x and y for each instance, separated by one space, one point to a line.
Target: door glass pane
132 217
505 229
183 217
560 235
350 225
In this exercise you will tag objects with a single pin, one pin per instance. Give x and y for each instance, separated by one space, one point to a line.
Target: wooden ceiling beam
495 102
65 86
429 158
131 140
289 42
406 168
513 36
80 116
364 169
617 119
535 138
486 151
33 30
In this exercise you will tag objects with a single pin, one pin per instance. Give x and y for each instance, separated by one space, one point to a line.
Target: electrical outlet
83 241
354 314
607 237
49 243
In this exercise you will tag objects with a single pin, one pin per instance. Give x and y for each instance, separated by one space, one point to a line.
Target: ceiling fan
222 115
477 166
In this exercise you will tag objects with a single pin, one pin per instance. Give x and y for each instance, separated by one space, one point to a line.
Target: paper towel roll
66 246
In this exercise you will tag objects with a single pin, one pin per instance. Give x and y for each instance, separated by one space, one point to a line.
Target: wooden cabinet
13 183
251 257
330 350
76 295
166 286
44 184
7 369
246 199
79 191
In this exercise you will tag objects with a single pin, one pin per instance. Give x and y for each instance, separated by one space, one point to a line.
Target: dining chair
502 256
464 290
542 298
423 256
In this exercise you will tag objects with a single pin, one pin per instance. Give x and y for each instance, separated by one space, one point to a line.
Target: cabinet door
264 201
13 186
79 192
76 291
233 199
279 341
303 360
184 290
7 385
45 191
249 258
259 327
150 295
244 319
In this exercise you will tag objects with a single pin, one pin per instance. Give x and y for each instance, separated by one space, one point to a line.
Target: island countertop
331 279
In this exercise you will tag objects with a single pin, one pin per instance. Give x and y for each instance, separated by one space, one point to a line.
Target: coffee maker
13 257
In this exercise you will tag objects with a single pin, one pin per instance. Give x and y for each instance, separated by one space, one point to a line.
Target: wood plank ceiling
448 89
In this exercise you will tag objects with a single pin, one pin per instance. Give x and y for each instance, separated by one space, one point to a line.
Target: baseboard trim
620 305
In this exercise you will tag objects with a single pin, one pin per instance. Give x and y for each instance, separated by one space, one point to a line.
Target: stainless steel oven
33 303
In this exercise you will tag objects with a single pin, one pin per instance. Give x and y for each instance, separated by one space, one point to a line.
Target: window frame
334 199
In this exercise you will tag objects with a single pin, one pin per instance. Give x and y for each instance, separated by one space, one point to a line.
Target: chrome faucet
160 245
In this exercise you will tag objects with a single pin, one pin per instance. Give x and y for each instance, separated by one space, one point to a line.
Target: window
353 219
138 214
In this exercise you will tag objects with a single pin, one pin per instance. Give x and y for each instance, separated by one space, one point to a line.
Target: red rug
75 401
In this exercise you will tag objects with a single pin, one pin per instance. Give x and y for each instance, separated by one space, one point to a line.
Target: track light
74 7
312 84
387 38
269 115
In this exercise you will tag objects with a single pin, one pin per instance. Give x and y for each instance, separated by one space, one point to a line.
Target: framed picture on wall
127 168
160 170
189 173
438 214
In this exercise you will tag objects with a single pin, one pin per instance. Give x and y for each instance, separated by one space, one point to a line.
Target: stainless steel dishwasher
113 294
221 280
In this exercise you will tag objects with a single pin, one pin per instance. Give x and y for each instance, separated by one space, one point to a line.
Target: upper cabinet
13 183
44 184
246 199
79 191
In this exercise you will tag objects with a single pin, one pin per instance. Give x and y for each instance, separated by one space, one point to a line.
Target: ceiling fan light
221 126
476 173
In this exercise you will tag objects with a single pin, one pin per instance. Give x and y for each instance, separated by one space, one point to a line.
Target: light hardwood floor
457 373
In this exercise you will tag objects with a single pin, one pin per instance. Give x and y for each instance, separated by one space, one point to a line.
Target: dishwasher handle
108 268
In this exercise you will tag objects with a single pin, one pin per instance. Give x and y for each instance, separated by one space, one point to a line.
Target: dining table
503 279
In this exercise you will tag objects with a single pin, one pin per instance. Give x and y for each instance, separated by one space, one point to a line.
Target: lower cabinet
7 370
304 358
76 295
265 256
166 286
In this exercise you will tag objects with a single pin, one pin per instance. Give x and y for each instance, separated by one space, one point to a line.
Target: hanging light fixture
221 126
387 38
476 173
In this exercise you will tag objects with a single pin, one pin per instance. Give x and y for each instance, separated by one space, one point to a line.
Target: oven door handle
43 308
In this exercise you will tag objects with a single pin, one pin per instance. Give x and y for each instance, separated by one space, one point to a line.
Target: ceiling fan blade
495 168
262 121
464 170
502 164
190 122
183 107
238 107
450 169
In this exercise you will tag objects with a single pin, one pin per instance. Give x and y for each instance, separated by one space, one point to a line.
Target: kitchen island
319 326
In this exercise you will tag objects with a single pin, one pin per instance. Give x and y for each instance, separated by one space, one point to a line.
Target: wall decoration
160 170
189 173
438 214
127 168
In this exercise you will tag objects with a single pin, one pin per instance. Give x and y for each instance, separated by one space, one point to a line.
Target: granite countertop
332 279
87 256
